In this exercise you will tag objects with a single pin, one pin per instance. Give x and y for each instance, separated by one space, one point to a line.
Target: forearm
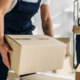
1 29
4 6
47 27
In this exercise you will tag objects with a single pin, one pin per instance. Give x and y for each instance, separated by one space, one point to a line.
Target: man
77 48
18 21
76 23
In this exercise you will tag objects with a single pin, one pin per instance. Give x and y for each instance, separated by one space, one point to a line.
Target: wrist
1 41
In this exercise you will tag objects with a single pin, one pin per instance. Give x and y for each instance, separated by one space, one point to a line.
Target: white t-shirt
46 2
42 1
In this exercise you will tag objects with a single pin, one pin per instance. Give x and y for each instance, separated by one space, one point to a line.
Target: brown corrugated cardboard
66 41
68 65
12 75
34 77
35 53
77 30
78 73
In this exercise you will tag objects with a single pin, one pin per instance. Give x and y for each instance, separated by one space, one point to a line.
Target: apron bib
18 20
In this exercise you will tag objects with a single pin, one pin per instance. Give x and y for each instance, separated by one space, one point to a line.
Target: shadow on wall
61 27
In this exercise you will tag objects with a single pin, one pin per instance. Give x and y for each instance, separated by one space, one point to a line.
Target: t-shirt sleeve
14 2
47 2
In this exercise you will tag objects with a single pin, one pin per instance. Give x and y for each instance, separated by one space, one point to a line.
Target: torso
20 16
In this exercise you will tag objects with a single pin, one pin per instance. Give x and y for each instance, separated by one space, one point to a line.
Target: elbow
46 20
1 14
1 17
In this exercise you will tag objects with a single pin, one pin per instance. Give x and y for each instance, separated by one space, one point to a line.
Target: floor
70 76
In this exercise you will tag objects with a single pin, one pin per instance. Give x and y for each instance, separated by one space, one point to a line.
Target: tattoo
47 30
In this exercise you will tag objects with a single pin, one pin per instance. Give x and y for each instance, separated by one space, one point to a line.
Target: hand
73 28
4 49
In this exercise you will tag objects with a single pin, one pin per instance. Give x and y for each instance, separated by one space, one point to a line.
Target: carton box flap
77 28
28 36
35 40
39 42
65 40
78 68
12 75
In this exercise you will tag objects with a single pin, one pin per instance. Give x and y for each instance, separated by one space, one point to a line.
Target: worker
15 18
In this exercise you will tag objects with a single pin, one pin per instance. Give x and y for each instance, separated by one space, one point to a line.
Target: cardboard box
68 42
68 65
33 77
35 53
12 75
78 73
77 30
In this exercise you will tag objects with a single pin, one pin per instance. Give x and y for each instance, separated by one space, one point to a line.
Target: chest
29 6
23 10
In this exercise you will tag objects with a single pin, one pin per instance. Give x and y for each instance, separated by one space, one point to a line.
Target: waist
17 24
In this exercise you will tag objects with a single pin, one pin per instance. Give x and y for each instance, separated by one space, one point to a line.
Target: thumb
10 51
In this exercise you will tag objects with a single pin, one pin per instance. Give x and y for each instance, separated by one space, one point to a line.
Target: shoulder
14 2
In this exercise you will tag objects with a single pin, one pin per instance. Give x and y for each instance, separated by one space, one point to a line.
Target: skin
46 26
73 28
4 48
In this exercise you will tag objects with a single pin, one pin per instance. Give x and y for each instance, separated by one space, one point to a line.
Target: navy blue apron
18 21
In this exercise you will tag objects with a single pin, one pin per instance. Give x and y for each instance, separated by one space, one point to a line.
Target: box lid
35 40
29 36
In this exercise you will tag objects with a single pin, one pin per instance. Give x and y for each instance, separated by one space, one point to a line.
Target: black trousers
78 48
3 70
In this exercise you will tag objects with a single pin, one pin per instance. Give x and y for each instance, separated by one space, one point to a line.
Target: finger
8 49
7 61
4 57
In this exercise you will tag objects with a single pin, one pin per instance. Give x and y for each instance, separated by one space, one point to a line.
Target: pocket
28 7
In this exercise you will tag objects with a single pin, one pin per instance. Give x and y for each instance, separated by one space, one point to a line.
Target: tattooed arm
47 25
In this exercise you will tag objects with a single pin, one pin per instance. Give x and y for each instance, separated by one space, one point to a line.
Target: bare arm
46 21
4 6
4 48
